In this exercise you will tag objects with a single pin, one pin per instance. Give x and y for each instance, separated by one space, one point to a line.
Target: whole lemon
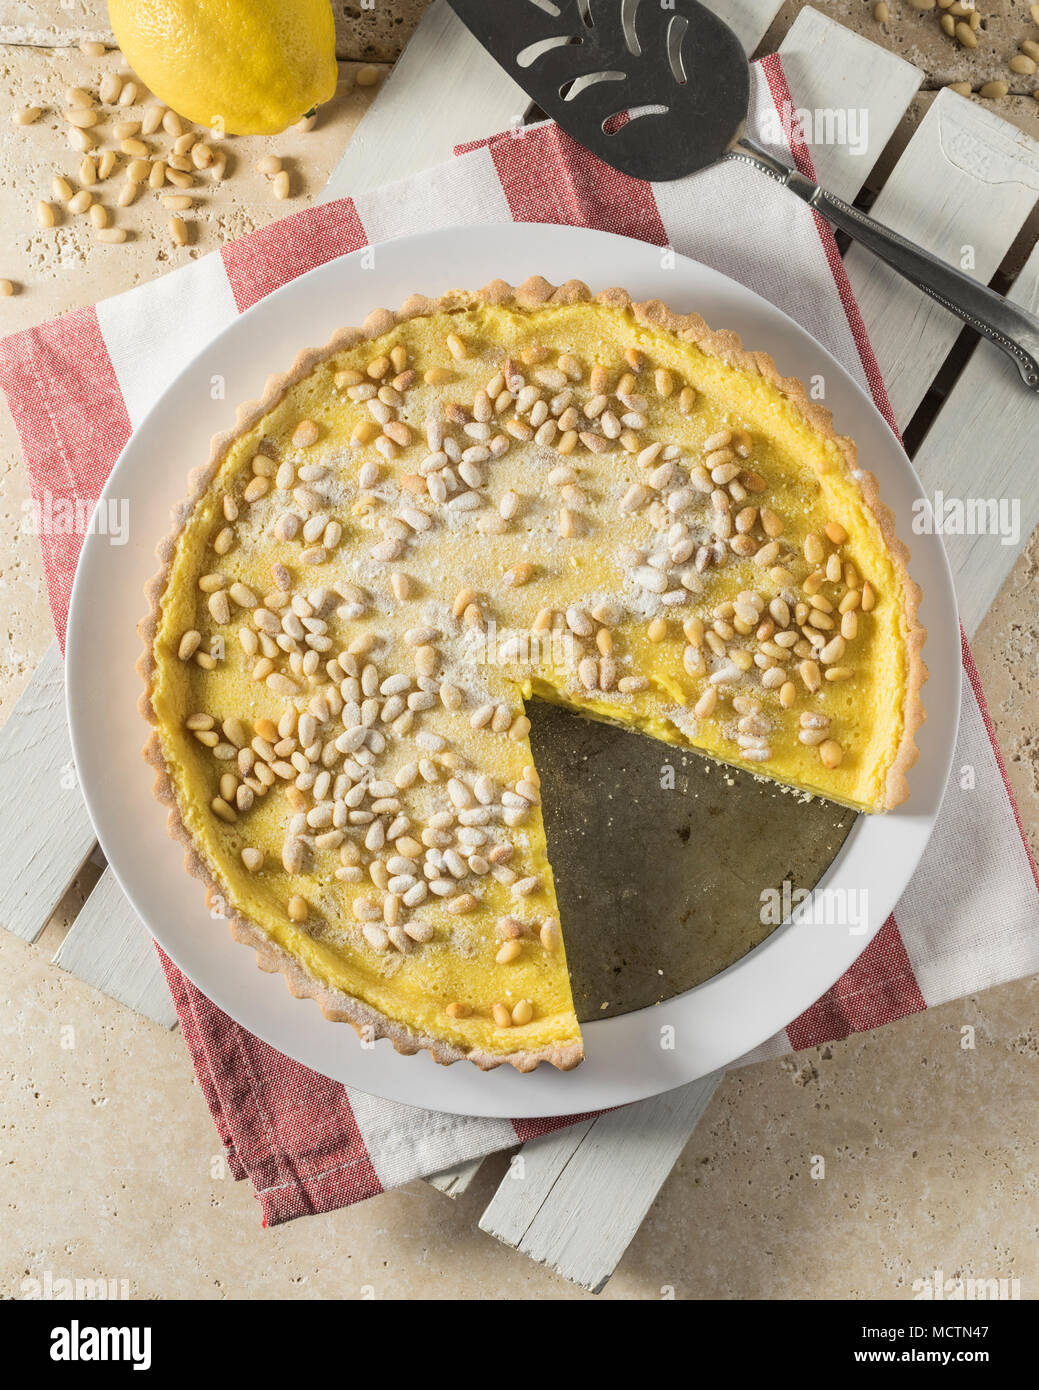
235 66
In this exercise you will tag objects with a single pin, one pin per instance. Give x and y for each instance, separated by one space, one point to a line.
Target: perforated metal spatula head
657 92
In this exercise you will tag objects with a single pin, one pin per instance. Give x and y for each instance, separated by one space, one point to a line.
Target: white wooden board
748 19
444 90
110 948
453 1182
962 189
575 1199
847 84
983 446
45 833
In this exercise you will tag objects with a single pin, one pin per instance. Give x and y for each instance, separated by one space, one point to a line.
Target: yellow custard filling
567 502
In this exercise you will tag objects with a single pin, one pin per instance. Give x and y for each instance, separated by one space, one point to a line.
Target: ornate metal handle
1010 327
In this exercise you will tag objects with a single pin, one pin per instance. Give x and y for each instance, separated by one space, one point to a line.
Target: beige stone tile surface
110 1163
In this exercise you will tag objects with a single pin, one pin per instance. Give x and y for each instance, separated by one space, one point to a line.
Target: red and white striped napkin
76 388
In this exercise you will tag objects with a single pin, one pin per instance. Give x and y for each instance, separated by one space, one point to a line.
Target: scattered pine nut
218 167
25 115
178 231
6 288
45 214
99 216
367 76
82 116
269 165
966 35
172 124
963 88
176 202
152 118
111 86
202 155
881 13
183 143
62 189
280 185
81 140
137 148
157 174
179 178
128 96
80 202
106 164
127 193
87 170
306 124
993 91
125 130
90 48
113 234
76 96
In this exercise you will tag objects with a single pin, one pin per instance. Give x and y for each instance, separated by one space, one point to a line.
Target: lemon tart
460 506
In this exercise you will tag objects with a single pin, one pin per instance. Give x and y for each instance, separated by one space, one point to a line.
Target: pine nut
280 185
269 165
831 753
62 189
157 174
138 170
367 76
178 231
45 214
90 48
993 91
80 202
111 86
176 202
99 216
81 140
82 117
106 164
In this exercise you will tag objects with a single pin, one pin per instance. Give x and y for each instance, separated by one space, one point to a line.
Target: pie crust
783 394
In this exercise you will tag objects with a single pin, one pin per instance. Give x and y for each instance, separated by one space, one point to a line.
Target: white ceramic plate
629 1057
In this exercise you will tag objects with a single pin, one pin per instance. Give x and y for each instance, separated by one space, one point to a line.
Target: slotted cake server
660 91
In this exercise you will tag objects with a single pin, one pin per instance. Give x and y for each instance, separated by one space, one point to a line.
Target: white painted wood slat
830 69
963 187
982 445
110 948
575 1199
45 832
445 89
453 1182
748 19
